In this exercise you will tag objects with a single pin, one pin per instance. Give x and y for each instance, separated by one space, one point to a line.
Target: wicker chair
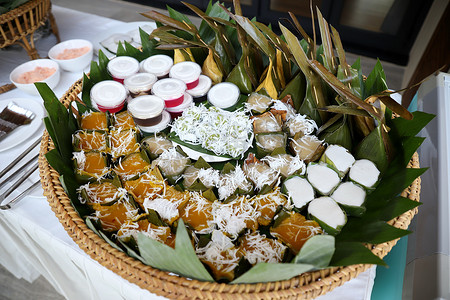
19 25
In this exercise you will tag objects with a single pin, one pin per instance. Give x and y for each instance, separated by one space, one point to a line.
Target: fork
21 179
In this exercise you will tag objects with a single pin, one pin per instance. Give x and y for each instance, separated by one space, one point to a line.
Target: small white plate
22 133
121 29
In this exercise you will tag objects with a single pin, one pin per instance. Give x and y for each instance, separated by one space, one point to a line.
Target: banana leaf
183 260
309 106
183 54
373 147
240 77
296 88
222 46
338 134
315 94
328 51
376 81
316 253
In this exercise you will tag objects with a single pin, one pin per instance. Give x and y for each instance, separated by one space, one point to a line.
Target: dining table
33 243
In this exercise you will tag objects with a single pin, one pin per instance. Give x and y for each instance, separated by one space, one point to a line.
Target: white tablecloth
33 242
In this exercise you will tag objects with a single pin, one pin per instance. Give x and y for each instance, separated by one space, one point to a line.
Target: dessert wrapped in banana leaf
268 142
299 191
307 147
167 204
123 142
123 121
267 122
322 177
100 192
221 256
234 182
113 216
259 173
84 140
155 145
268 205
257 248
286 164
200 178
130 229
94 121
300 124
132 165
351 197
235 216
90 166
148 186
328 214
365 173
294 229
258 103
172 164
198 213
339 158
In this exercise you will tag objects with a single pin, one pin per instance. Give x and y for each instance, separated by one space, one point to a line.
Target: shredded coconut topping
232 218
230 182
80 158
260 174
300 123
286 162
166 208
172 162
217 130
279 105
258 248
220 251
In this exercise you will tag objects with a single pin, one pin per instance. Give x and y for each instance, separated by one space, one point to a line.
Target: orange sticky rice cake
94 121
38 74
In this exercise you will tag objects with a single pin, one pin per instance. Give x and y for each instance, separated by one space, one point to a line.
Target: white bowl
73 64
52 81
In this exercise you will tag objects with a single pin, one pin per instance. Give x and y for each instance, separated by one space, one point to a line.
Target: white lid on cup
169 88
145 107
224 95
187 102
187 71
123 66
159 64
140 82
204 84
108 93
160 126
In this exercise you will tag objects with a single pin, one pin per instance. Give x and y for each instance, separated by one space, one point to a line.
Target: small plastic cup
122 67
146 110
224 95
159 65
170 90
140 84
187 71
109 95
178 110
200 91
163 124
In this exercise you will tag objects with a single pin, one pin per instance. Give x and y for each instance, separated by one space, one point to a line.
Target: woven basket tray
306 286
18 25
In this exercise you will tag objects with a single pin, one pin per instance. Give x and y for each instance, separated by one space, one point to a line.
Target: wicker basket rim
307 286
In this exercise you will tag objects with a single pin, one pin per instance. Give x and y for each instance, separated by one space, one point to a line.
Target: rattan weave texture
306 286
19 25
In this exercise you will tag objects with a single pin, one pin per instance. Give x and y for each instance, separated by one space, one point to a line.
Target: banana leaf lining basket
19 25
306 286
